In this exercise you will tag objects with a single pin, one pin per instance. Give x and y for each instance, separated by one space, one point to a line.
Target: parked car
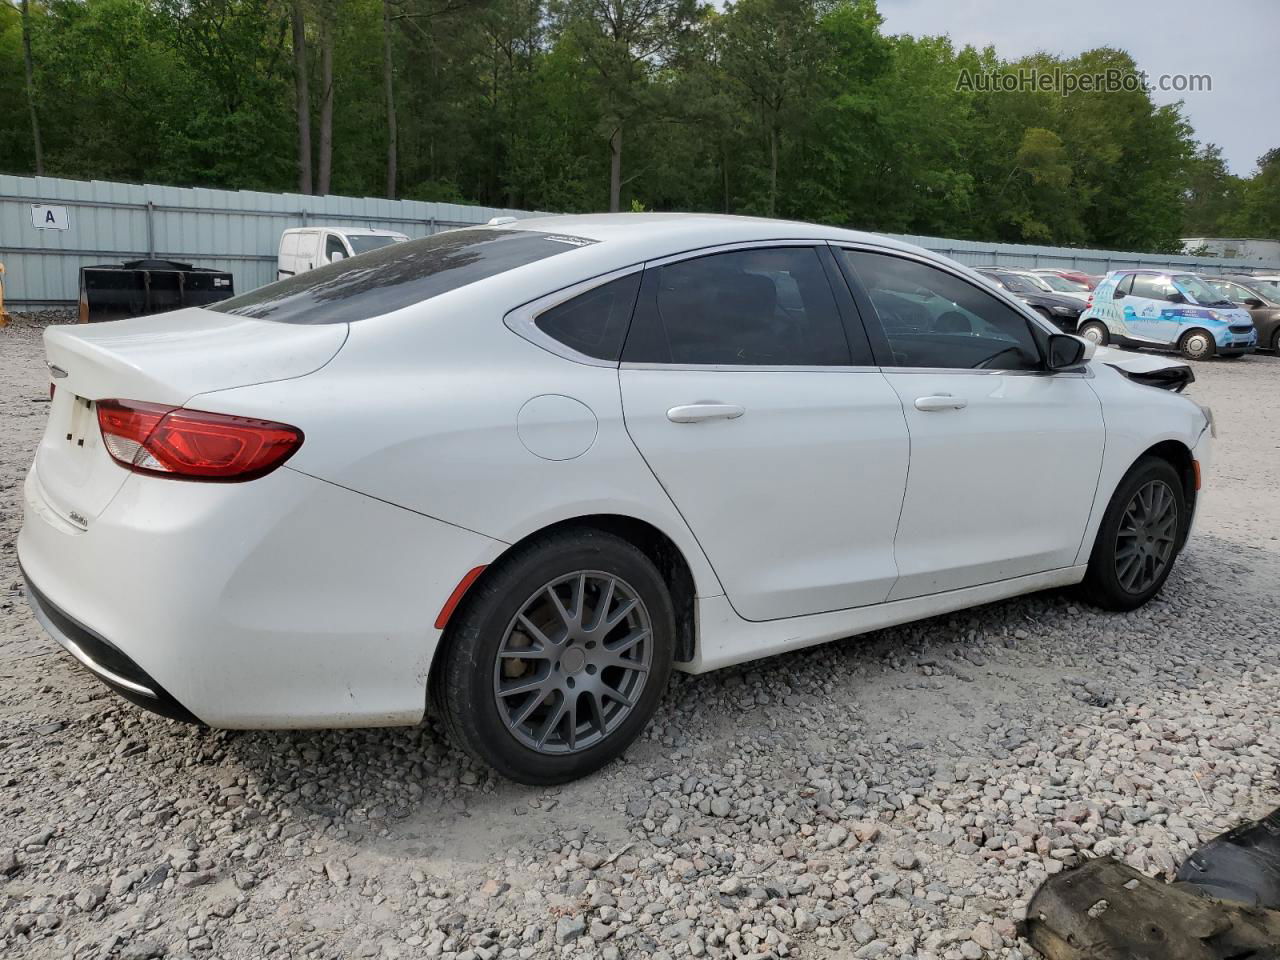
305 248
1260 298
1060 284
524 471
1063 312
1086 280
1053 284
1179 311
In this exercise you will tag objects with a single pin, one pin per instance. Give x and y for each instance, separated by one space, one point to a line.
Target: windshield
362 243
1036 281
1198 291
1014 283
397 275
1268 288
1062 284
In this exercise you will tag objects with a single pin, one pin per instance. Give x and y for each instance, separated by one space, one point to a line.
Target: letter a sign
45 217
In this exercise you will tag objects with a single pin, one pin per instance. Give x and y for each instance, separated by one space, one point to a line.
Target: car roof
653 235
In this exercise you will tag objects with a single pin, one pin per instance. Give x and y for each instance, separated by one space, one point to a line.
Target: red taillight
193 444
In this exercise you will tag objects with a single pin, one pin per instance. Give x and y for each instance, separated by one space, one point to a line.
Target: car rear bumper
104 659
282 602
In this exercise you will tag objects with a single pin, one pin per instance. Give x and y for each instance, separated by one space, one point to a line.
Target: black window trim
845 309
1040 330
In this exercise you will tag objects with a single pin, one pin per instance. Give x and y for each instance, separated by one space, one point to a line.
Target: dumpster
113 291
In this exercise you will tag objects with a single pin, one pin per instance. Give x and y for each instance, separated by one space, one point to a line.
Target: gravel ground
897 796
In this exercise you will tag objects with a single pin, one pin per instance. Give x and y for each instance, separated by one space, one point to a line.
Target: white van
304 248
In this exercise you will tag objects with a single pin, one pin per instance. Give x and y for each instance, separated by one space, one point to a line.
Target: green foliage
801 108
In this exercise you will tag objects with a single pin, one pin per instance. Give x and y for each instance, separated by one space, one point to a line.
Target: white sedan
525 470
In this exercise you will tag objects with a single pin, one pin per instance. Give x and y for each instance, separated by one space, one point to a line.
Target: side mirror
1118 295
1176 297
1253 303
1066 351
336 256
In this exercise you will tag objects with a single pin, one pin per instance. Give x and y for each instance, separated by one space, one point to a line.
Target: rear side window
397 275
594 323
767 307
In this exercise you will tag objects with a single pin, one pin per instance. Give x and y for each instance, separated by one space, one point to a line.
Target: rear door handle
697 412
941 401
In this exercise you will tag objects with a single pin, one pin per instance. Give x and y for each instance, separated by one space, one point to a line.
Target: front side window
767 307
932 318
332 245
397 275
1124 287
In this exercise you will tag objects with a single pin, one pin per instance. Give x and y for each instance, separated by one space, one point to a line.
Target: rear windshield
396 275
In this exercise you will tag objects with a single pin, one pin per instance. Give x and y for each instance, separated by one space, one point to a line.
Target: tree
302 94
29 69
624 41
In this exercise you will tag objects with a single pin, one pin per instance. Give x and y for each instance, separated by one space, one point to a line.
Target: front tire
1197 345
1138 541
1095 332
558 657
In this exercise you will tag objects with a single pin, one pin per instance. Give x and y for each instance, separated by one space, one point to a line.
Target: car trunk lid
164 359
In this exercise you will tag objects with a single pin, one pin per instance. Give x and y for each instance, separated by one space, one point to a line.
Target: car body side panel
724 638
1137 418
431 420
285 602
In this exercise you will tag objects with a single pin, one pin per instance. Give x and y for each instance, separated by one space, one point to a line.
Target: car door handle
697 412
941 401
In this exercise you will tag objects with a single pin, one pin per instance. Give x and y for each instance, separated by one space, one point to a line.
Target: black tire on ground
1096 327
1102 585
1275 341
1197 344
464 685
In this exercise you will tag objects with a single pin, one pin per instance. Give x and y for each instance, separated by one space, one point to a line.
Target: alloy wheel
1145 541
1092 333
573 662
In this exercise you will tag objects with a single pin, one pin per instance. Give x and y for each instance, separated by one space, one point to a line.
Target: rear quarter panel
420 409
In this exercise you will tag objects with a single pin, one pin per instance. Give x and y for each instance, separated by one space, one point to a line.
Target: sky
1235 42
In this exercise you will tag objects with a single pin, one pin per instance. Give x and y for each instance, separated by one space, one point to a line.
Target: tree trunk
724 171
325 166
615 169
773 169
302 94
37 147
388 82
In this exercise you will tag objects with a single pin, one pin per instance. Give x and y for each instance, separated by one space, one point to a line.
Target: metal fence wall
234 230
239 231
976 253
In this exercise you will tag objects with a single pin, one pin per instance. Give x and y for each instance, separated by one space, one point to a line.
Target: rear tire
1140 537
593 686
1095 331
1197 345
1275 342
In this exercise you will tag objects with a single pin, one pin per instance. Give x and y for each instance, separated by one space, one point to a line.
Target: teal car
1165 310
